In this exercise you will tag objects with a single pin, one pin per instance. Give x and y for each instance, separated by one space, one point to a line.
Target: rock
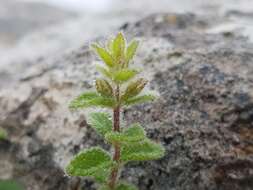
204 115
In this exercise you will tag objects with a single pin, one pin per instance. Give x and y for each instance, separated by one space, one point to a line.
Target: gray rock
204 115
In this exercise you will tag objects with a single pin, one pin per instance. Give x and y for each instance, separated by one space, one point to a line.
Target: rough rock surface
204 116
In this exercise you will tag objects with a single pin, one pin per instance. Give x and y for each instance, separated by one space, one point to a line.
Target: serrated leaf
3 134
104 88
90 99
134 133
101 122
104 55
94 162
142 151
139 99
104 71
124 75
131 50
118 46
120 186
134 88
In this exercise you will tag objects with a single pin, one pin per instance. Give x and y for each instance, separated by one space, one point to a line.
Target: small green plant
117 89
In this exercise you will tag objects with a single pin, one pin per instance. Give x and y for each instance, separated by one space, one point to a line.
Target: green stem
116 127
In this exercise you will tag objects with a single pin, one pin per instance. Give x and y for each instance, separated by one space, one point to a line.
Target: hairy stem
116 127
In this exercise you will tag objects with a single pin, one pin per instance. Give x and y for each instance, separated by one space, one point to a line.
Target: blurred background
62 23
32 29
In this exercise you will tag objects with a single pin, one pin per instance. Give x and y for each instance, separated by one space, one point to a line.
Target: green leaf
90 99
120 186
134 88
142 151
101 122
104 71
94 162
118 46
104 88
134 133
131 50
3 134
139 99
124 75
104 55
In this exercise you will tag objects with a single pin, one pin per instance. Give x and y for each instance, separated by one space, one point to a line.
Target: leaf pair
117 55
135 145
118 76
90 99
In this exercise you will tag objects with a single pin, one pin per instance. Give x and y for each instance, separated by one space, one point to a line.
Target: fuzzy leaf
100 122
131 50
3 134
104 55
124 75
104 88
118 46
120 186
142 151
94 162
139 99
134 133
104 71
90 99
134 88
